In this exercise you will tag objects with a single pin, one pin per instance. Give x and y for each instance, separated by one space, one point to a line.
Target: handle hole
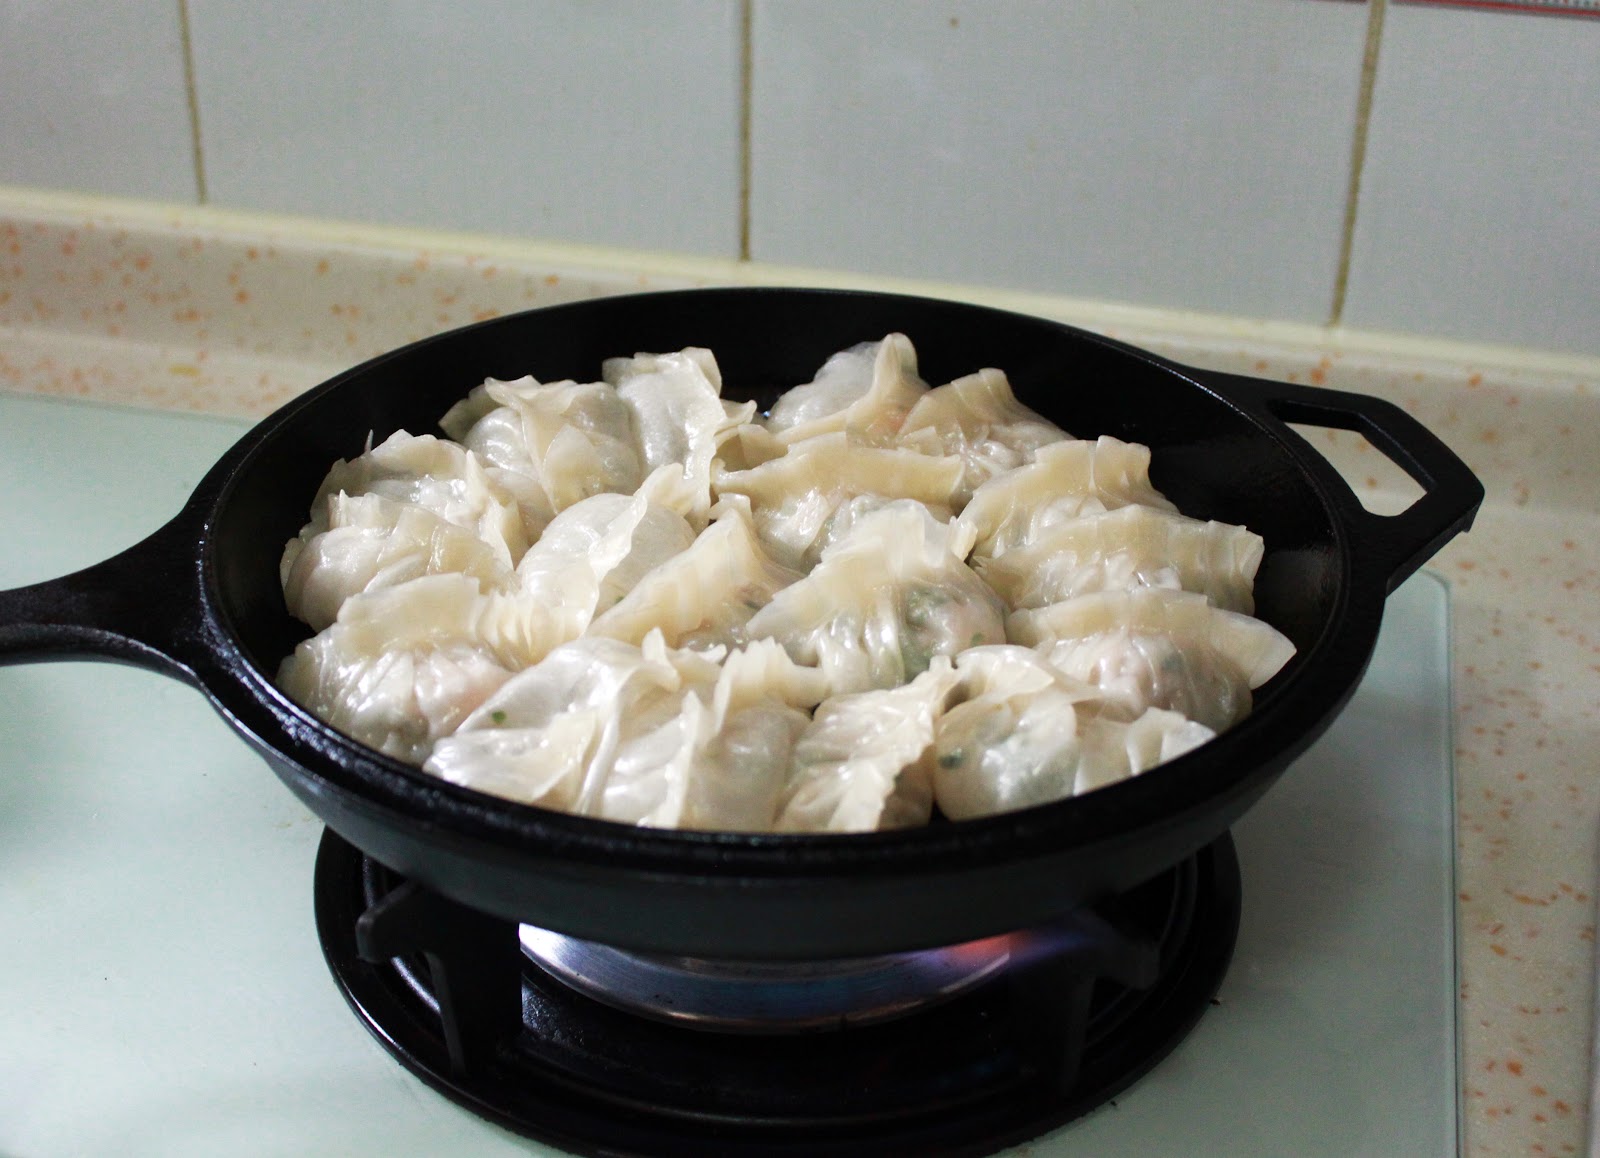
1382 487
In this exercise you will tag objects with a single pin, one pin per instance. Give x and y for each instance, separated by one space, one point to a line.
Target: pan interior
762 895
1210 459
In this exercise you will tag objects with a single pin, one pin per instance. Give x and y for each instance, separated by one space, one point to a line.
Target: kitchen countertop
130 304
167 995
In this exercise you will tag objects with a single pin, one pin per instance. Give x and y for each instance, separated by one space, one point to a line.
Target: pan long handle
1394 546
141 607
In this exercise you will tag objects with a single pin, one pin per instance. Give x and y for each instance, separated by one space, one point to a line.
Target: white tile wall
1166 152
606 121
92 97
1180 152
1480 205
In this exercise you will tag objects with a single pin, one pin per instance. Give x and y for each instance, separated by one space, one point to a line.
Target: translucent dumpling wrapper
1115 750
549 735
743 446
621 537
858 766
1024 734
739 774
721 765
399 668
450 610
865 391
641 735
1134 546
761 672
1064 481
847 517
978 419
603 674
1012 740
399 702
565 440
589 557
369 542
543 766
679 417
638 601
883 602
706 594
438 476
795 497
1156 647
653 723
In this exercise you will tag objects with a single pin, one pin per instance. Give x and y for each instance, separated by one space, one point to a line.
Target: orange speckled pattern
158 313
204 312
1526 676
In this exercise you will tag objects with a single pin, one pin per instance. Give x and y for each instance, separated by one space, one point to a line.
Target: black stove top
602 1052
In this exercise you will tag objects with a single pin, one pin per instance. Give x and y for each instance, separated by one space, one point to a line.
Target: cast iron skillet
200 600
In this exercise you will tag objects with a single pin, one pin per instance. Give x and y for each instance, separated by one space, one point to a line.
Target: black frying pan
200 600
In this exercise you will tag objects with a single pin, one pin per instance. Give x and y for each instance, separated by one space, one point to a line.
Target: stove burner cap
765 996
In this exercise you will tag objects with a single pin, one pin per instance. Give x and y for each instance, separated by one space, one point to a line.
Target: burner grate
1024 1049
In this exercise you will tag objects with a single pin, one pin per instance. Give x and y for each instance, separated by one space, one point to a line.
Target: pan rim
251 700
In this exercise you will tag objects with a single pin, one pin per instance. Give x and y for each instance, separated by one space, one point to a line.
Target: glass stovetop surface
165 994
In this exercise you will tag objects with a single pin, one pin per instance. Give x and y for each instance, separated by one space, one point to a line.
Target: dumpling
722 765
858 766
549 734
399 668
427 472
1115 750
1155 647
760 708
588 558
371 542
679 417
794 497
1065 480
847 516
742 446
1012 740
883 602
543 765
399 702
622 537
865 391
638 601
644 735
706 594
978 419
1129 547
565 441
640 771
1023 734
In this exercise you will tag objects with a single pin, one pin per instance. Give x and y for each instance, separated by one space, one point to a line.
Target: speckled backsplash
134 304
236 320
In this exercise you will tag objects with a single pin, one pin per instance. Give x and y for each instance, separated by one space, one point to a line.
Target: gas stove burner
599 1051
767 996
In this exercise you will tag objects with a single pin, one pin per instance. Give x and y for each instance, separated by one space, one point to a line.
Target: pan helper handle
140 607
1393 545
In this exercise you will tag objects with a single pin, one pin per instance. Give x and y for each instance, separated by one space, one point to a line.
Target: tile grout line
746 85
1358 155
191 94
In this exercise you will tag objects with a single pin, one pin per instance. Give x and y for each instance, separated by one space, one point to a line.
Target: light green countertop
146 306
166 993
